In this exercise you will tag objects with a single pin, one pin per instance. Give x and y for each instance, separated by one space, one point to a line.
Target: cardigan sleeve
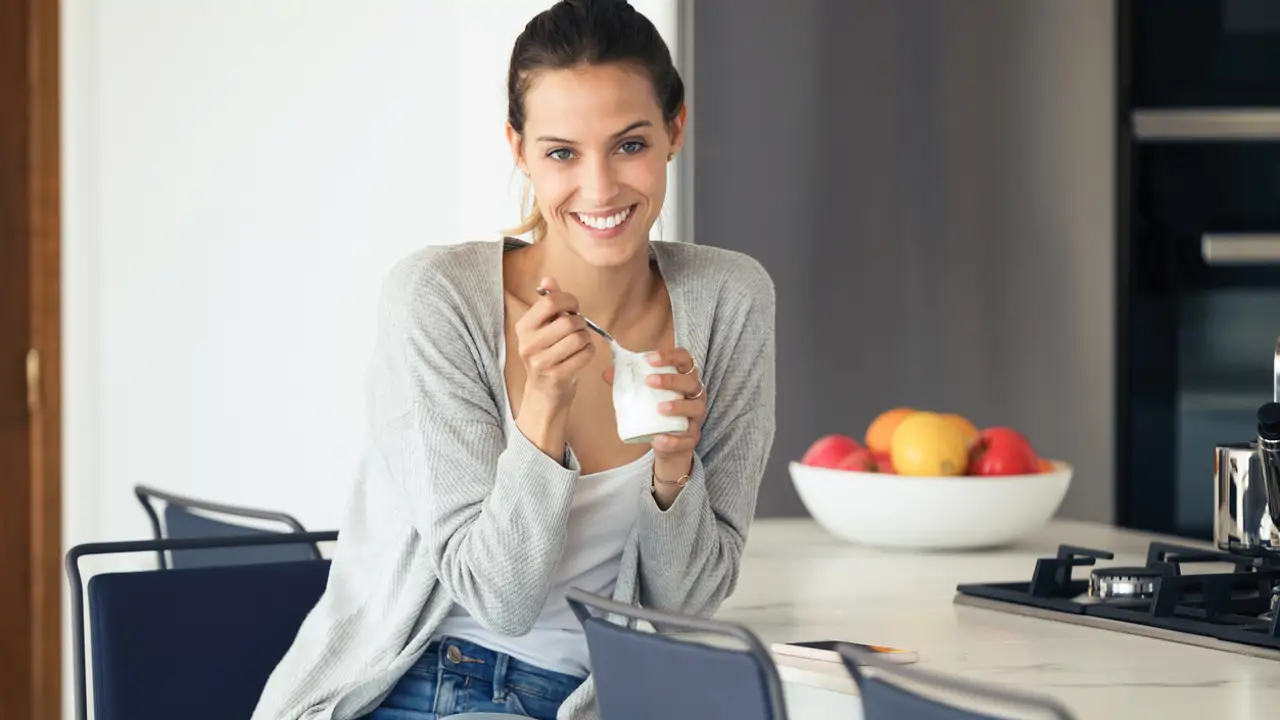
491 507
690 553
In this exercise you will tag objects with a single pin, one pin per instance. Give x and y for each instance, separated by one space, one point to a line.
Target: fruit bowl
963 512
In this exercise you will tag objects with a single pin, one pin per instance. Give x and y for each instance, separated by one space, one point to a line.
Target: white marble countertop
799 583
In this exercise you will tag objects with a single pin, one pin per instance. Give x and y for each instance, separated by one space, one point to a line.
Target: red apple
884 463
860 460
1002 451
830 450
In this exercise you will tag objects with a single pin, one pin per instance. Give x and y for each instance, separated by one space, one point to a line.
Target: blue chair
186 517
886 695
641 675
196 643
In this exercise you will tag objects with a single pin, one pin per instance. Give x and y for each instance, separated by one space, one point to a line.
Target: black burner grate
1233 606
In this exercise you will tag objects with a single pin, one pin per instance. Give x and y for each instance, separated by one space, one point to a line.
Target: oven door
1203 321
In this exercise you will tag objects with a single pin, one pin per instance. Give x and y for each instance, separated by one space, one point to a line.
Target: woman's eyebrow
633 126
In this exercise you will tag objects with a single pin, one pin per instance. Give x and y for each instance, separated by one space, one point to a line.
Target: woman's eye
561 154
632 147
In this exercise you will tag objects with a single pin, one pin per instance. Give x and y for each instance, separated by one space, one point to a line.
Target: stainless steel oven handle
1240 248
1208 124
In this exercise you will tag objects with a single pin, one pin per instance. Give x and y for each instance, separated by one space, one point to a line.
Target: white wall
239 176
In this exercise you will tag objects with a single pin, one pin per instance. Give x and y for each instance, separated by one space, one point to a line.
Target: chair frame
76 582
146 493
580 600
854 657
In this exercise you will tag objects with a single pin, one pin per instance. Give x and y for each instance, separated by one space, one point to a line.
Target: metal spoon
590 324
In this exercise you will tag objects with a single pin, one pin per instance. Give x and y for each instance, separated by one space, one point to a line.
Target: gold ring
692 367
702 387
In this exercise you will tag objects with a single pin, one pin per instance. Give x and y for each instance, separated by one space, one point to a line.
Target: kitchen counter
799 583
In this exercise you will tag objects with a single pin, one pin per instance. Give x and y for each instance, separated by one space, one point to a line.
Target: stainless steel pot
1246 485
1243 521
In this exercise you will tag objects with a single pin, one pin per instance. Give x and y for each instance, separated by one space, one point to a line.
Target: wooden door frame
30 361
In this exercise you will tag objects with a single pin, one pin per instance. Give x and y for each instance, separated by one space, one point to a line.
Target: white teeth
603 223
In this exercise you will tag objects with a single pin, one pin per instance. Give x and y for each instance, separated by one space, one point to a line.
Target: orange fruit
926 443
967 429
1043 465
880 432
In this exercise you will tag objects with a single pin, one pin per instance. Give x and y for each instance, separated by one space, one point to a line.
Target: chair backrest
193 643
640 674
186 517
886 693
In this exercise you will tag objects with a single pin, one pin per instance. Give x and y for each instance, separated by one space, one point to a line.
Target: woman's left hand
674 452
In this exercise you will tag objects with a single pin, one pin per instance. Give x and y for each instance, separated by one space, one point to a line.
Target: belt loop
500 677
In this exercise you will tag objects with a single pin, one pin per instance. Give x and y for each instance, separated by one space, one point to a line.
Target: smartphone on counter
825 651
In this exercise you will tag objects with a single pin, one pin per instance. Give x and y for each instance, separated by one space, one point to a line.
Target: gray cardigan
447 506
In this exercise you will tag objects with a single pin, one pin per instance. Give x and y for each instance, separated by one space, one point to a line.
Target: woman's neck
608 296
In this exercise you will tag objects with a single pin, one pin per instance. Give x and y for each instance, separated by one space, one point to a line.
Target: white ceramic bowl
930 513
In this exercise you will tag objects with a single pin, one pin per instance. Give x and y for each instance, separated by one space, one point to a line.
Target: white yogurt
635 404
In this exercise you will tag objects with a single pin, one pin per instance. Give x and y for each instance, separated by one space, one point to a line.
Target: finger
534 341
563 351
548 285
687 385
692 409
675 444
608 375
537 342
557 330
546 310
677 357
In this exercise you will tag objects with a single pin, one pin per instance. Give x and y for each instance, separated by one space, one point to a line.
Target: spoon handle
587 320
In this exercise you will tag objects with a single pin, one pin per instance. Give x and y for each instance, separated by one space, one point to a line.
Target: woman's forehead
589 103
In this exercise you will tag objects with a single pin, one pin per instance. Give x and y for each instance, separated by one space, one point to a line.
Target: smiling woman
594 145
496 477
592 126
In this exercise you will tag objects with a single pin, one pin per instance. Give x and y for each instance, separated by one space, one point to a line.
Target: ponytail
532 221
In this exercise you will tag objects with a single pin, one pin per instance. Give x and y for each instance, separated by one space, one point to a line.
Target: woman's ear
675 130
517 148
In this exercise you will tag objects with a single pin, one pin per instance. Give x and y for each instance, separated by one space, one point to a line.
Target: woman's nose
599 182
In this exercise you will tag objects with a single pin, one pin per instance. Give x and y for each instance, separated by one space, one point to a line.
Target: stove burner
1177 590
1123 583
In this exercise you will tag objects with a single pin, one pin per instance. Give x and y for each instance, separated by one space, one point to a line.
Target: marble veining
799 583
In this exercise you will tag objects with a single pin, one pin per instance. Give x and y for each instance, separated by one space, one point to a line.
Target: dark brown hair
577 33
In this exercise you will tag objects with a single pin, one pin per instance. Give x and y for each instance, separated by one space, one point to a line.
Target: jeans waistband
477 661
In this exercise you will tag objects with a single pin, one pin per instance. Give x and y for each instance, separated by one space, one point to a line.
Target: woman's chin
610 252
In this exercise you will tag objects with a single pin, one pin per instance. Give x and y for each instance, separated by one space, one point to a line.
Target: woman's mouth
607 224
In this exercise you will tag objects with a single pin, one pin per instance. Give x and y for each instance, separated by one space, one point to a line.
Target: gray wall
930 183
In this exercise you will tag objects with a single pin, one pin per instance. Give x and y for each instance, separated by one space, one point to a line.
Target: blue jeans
455 676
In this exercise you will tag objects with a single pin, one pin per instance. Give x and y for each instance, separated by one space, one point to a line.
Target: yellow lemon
967 428
926 443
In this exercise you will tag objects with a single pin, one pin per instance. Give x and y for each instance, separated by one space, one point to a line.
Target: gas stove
1214 599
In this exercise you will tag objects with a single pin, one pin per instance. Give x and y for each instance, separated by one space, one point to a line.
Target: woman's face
596 150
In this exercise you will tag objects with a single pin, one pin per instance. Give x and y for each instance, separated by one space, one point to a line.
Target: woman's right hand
555 346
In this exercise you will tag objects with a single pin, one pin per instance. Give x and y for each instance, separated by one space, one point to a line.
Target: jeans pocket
530 705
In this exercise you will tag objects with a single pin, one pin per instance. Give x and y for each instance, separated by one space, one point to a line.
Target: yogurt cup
635 404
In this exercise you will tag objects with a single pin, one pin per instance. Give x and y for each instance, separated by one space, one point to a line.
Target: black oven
1204 53
1199 247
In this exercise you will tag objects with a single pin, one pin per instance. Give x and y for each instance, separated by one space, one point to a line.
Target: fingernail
653 357
664 407
654 381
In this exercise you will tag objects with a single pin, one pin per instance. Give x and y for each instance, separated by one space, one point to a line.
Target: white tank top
603 511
